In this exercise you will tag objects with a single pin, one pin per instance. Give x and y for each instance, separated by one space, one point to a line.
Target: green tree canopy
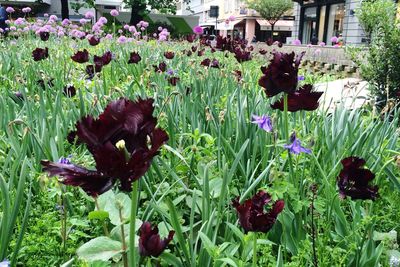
271 10
141 7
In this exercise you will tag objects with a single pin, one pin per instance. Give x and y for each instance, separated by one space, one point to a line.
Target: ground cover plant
125 148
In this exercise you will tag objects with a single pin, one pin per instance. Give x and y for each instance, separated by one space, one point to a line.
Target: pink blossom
309 45
10 10
53 17
89 15
142 28
155 35
132 29
114 13
19 21
103 20
162 37
13 28
198 30
45 15
126 27
334 39
160 28
83 21
26 9
60 34
65 22
145 24
122 40
322 44
109 37
297 42
232 18
7 22
120 31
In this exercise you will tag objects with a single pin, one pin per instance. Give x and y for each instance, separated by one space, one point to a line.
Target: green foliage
379 62
214 154
271 10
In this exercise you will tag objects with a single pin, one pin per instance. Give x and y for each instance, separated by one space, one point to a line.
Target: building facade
247 24
324 19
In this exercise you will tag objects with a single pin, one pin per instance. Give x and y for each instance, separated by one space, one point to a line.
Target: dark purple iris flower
150 243
189 53
44 36
173 80
206 62
169 55
242 55
40 54
269 42
134 58
200 53
91 70
353 180
42 83
264 122
262 51
295 146
123 141
190 38
252 216
238 75
194 48
93 41
69 91
281 74
302 99
162 67
103 60
81 56
215 64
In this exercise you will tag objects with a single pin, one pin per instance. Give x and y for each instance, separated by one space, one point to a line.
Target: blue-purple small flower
64 160
300 78
264 122
5 263
295 146
171 72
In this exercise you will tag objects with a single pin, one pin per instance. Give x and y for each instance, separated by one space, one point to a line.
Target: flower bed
149 152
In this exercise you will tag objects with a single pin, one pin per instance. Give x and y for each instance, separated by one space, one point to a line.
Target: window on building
310 24
321 28
336 20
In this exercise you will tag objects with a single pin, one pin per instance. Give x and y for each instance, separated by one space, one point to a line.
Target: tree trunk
64 9
137 13
272 31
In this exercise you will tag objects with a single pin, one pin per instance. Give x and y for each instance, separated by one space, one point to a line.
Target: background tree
141 7
271 10
64 9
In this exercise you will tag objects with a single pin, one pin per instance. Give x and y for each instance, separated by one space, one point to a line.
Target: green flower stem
285 117
254 249
124 248
134 205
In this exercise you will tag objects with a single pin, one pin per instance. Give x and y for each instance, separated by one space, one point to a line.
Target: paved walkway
351 93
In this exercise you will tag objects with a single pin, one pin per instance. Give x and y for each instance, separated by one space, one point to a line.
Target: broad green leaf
101 248
98 215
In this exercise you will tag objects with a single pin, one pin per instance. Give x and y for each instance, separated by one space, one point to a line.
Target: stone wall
319 58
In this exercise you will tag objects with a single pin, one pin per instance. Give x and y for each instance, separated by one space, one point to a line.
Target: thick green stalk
134 204
285 117
254 250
